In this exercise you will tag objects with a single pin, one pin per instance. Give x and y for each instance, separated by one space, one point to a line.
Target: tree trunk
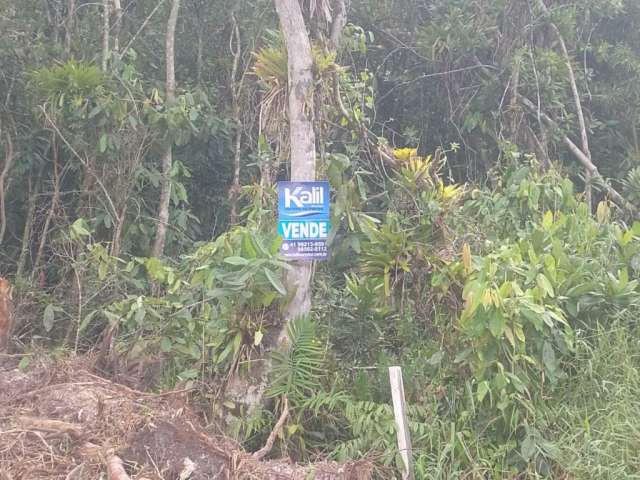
302 138
250 391
339 22
200 55
106 26
117 24
28 226
52 210
235 87
118 228
8 160
68 27
167 158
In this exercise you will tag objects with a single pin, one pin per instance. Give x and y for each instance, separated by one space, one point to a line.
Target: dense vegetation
484 162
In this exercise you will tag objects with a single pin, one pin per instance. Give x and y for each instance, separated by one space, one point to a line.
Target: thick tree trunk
167 157
302 138
250 391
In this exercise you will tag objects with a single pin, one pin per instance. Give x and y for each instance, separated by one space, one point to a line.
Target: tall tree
167 157
301 135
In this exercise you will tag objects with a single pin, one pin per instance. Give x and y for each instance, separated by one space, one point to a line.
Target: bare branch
582 158
260 454
584 137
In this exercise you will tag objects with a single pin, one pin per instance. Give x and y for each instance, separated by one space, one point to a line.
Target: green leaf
238 261
275 281
547 221
237 341
528 448
257 337
155 268
497 324
103 143
544 285
509 333
103 270
24 363
483 389
78 229
165 344
549 358
225 353
436 359
87 320
48 317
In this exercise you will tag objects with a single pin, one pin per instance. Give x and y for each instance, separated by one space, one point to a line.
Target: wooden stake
400 413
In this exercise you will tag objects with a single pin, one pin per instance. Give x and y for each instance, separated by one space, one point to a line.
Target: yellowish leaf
466 258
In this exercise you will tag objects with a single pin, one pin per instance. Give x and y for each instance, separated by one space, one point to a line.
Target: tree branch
260 454
581 157
584 138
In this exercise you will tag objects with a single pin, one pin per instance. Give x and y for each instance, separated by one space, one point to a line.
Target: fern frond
297 370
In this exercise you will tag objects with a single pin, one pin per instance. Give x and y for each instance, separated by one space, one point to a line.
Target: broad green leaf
549 358
436 359
155 268
237 341
543 283
165 344
528 448
238 261
103 270
103 143
78 228
517 328
275 281
509 334
87 320
483 389
497 324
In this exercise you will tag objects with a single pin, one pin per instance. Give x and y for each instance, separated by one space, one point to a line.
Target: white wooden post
399 411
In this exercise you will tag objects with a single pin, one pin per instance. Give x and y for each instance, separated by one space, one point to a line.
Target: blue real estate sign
303 219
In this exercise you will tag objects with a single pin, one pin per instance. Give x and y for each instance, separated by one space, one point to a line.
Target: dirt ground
58 420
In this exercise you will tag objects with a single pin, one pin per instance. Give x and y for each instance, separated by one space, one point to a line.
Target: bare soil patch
58 420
